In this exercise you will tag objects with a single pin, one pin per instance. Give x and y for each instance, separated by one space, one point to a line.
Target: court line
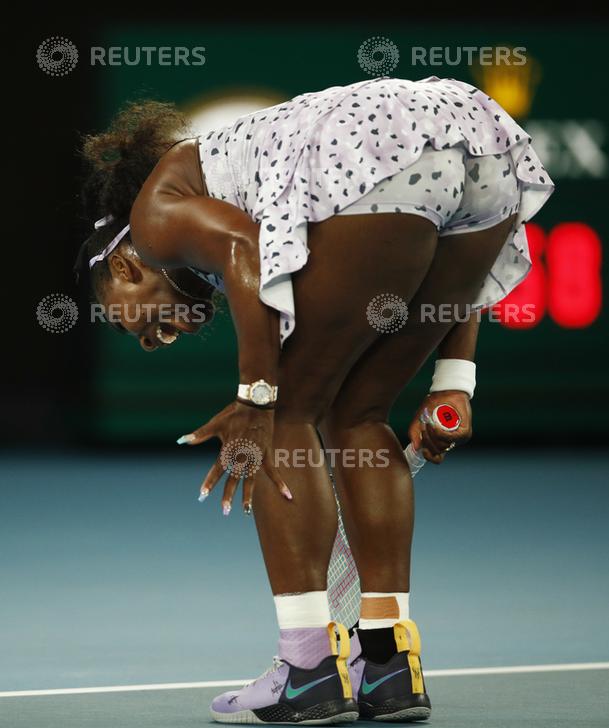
454 672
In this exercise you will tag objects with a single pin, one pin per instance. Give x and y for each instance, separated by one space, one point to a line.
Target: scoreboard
565 281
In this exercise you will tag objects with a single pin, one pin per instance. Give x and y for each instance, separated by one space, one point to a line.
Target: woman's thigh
460 265
352 260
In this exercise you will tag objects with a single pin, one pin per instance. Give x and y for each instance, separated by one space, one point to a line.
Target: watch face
261 394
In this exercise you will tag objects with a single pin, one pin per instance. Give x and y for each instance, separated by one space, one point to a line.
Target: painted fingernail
203 495
185 439
226 509
286 492
247 509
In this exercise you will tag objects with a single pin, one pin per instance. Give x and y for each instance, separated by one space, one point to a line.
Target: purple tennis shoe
288 694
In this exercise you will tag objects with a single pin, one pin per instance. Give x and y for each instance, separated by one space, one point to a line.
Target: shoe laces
277 663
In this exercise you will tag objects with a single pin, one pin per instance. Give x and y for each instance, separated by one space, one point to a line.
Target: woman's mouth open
168 336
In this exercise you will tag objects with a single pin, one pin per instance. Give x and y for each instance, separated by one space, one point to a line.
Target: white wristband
457 374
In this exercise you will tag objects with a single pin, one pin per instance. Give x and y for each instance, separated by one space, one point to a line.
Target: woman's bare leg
352 260
377 502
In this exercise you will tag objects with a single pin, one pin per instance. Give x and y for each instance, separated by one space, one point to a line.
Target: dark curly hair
121 158
118 162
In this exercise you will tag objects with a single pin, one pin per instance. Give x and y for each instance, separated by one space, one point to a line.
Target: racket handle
414 458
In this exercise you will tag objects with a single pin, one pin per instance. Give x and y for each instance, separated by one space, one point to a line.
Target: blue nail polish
184 439
203 495
226 509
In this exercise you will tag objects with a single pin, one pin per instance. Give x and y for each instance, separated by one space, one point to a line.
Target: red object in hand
447 417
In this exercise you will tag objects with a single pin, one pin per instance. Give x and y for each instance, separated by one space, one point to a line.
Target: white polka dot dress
306 159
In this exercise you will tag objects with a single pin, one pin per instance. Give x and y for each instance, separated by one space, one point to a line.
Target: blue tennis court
113 575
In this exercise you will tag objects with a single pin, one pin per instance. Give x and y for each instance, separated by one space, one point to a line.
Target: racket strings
344 592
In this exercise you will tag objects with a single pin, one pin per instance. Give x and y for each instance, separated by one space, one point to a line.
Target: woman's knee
301 410
346 417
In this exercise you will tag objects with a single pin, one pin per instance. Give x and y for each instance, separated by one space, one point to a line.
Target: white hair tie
102 222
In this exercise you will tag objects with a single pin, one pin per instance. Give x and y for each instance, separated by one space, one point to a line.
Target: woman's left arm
458 344
220 238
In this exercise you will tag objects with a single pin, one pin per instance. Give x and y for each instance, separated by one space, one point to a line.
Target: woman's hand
246 433
433 440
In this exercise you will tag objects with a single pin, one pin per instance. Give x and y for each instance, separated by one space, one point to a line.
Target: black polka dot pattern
307 159
460 193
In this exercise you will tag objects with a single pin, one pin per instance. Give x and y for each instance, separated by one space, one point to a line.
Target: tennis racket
343 581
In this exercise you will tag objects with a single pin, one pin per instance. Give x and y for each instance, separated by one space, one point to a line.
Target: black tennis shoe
394 691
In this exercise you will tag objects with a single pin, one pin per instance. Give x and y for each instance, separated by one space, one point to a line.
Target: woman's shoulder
178 171
176 176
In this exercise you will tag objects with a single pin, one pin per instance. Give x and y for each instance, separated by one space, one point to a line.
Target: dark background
92 388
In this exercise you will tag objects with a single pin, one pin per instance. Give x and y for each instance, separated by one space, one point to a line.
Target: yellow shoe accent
407 639
341 653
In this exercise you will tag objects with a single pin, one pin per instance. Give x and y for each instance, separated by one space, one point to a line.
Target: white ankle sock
309 609
383 609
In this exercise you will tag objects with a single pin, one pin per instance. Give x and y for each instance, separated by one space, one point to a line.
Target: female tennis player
322 219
